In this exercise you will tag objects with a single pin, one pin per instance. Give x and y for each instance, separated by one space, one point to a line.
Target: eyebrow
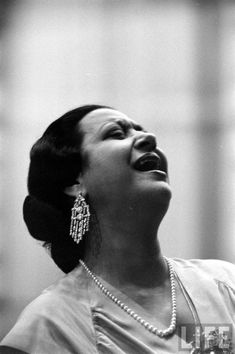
127 125
124 125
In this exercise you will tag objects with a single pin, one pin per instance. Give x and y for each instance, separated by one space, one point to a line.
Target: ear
72 191
76 188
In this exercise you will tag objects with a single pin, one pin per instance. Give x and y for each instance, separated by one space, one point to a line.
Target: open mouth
150 162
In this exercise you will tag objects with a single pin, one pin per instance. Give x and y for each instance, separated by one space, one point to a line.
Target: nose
145 142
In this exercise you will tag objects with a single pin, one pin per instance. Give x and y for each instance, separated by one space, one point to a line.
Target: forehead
95 120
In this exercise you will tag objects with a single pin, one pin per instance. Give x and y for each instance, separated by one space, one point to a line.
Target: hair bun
44 222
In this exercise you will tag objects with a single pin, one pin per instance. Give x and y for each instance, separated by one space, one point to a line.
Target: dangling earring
79 219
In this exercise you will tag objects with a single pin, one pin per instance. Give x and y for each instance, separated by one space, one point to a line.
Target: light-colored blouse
74 316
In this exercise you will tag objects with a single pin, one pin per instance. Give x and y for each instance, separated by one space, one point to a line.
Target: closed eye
116 134
120 130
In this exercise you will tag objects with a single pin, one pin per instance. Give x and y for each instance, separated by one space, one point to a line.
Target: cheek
106 173
107 160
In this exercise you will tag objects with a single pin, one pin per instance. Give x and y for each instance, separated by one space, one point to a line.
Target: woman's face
123 163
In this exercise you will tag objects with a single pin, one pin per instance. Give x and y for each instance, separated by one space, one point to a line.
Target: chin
156 197
162 202
164 197
161 196
166 191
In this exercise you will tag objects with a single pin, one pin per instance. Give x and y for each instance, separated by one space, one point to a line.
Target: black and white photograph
117 182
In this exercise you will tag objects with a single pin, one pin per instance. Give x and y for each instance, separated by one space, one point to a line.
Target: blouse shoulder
58 318
219 270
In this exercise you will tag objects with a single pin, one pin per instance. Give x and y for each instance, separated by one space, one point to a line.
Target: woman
121 295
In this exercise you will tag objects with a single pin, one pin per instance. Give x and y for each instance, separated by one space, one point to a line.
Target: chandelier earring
79 219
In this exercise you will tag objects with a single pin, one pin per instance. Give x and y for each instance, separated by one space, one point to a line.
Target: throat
125 256
130 269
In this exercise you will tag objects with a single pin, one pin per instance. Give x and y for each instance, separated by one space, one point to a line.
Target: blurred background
169 65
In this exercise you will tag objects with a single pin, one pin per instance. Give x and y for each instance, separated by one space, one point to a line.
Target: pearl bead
148 326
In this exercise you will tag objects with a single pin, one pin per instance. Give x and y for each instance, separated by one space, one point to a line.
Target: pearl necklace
159 332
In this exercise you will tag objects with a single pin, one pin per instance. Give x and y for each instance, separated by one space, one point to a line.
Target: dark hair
55 163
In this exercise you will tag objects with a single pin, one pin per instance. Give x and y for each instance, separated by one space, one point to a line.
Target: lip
162 173
151 158
158 175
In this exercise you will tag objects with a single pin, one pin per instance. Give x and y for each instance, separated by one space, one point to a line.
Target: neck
128 252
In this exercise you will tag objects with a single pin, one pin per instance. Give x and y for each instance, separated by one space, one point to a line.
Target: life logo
206 338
